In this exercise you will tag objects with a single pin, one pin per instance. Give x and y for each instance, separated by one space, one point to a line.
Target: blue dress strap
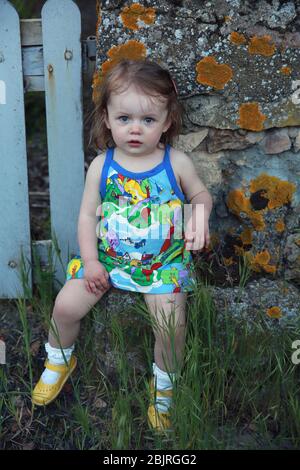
171 175
108 159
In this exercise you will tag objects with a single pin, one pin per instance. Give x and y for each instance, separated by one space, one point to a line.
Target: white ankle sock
163 382
55 356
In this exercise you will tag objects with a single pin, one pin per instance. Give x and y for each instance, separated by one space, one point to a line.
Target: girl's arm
87 220
197 228
192 186
96 277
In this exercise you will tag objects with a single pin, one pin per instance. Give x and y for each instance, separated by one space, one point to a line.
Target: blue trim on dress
140 175
164 165
108 158
171 175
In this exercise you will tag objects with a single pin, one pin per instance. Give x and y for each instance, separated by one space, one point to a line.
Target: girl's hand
96 277
197 234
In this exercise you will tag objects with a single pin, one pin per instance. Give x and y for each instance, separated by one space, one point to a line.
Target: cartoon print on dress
137 242
142 269
137 194
75 268
112 238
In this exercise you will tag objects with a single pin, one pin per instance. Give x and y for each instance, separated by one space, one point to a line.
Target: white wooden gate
43 54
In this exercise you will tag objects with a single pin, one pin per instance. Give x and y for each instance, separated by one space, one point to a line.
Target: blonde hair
151 79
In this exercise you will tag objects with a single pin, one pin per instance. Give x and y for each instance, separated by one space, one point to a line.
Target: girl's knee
71 306
63 309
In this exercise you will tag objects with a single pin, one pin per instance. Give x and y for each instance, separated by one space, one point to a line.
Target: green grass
237 389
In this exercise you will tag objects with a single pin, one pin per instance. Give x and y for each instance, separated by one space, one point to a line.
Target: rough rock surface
236 68
223 54
258 299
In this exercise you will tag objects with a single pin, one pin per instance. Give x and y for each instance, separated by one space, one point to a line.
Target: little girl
138 187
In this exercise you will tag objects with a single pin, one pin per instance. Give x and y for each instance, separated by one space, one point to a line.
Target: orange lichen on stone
238 202
246 236
97 79
261 262
132 49
249 258
263 257
274 312
261 45
286 70
257 220
270 268
136 12
250 117
213 74
98 14
278 192
239 250
237 38
280 226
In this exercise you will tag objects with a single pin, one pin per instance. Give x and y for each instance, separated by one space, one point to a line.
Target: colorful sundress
140 230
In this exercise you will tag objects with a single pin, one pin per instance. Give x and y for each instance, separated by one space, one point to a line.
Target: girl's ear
106 119
167 124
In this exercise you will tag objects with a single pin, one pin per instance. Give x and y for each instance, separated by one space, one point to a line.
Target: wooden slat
14 203
33 68
33 62
32 83
61 26
32 54
31 32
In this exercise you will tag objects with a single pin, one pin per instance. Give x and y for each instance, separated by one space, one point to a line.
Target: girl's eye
123 118
148 120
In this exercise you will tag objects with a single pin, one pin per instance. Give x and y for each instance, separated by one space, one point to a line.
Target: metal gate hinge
88 52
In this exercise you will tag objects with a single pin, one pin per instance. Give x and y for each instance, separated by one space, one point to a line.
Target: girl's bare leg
169 327
72 303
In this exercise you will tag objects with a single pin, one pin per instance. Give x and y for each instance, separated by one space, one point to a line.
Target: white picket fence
40 54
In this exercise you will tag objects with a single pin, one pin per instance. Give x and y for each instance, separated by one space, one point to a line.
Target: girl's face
136 121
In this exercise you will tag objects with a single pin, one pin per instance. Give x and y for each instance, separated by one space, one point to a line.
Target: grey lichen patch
255 301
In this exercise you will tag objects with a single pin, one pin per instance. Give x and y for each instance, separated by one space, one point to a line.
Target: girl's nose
135 127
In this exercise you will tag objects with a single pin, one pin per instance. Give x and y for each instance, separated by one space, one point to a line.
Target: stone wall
237 69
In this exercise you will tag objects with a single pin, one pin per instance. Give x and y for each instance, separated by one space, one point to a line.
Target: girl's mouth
134 143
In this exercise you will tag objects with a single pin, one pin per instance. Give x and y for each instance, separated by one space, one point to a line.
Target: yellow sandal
158 420
43 394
